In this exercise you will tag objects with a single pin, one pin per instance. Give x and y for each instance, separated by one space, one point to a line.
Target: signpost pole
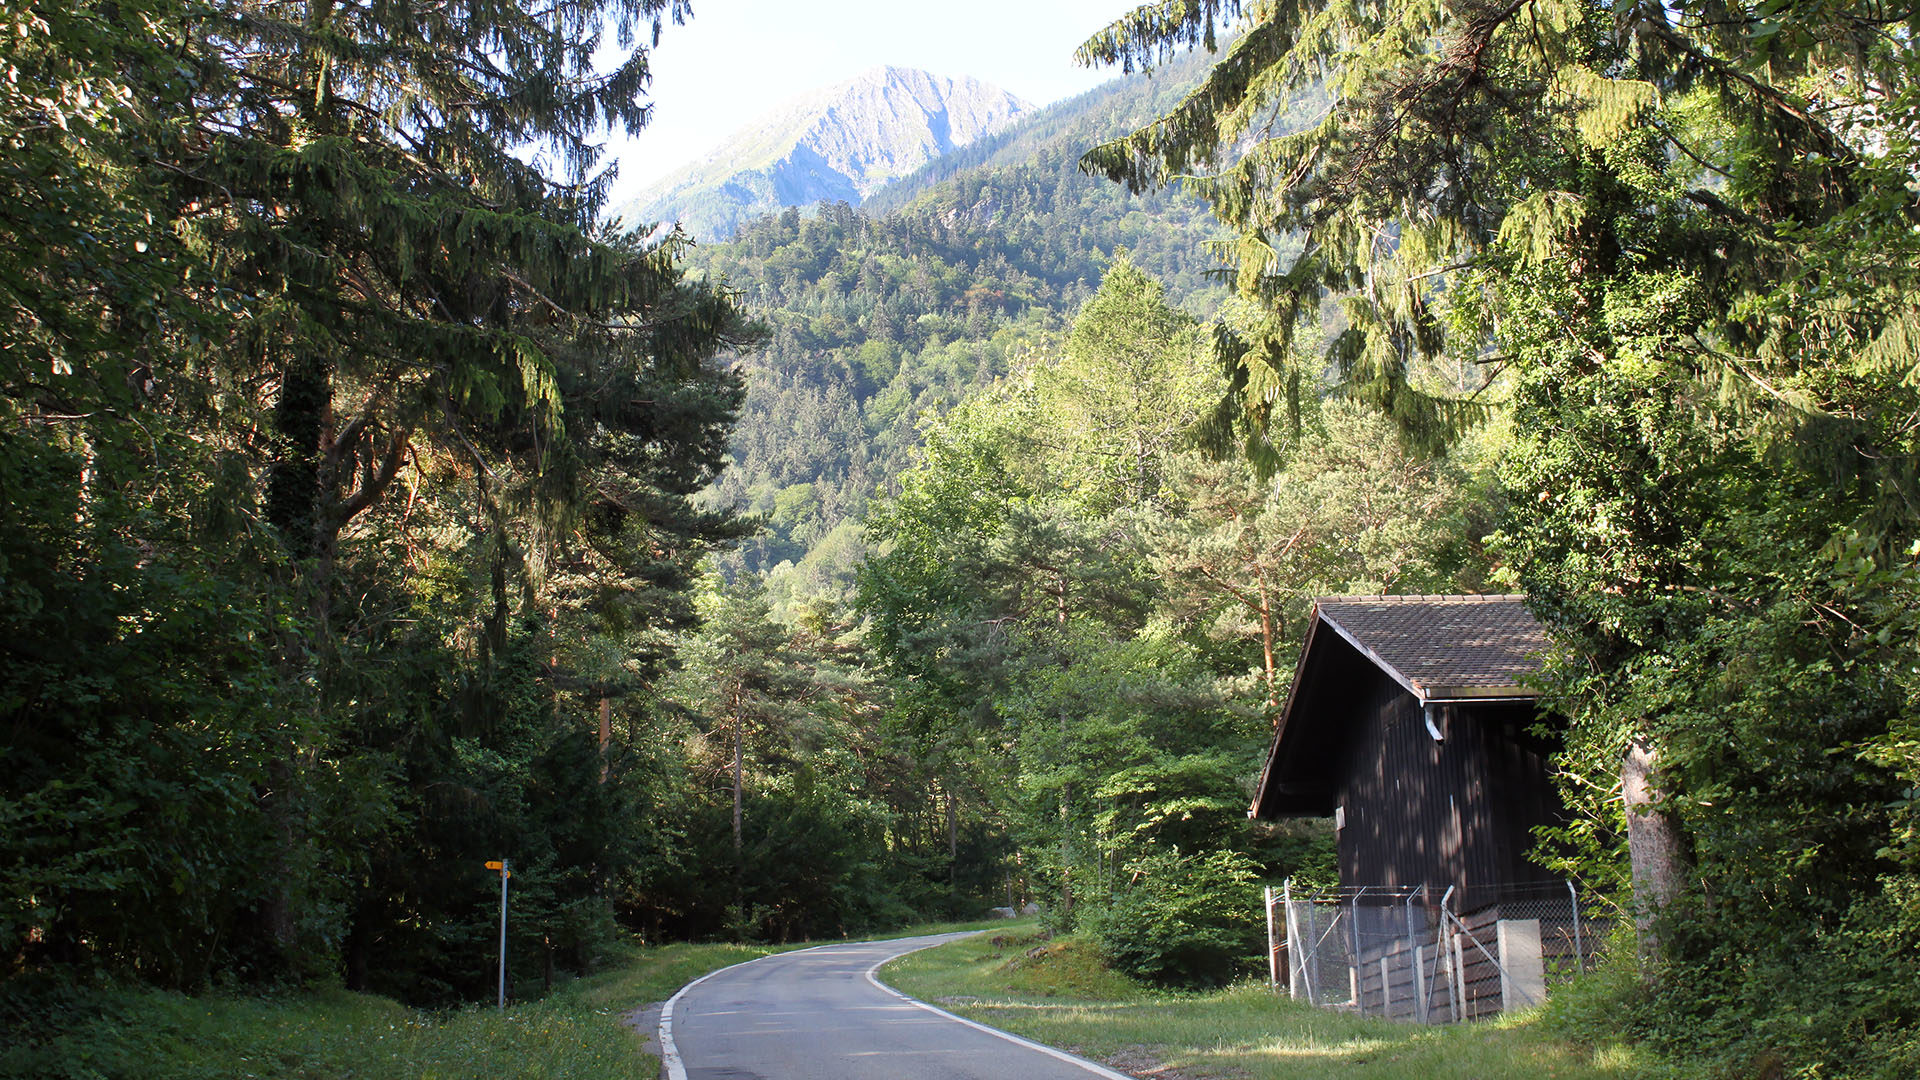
505 873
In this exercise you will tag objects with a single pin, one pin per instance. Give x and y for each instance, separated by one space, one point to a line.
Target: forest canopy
1669 247
345 457
371 509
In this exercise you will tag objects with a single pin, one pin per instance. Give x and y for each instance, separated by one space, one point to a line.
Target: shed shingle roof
1443 647
1438 648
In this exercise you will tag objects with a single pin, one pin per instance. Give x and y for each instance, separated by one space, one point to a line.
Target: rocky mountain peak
842 142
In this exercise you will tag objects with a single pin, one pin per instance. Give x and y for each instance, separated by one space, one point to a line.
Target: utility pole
505 873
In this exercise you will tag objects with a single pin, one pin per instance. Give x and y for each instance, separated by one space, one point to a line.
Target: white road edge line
1095 1069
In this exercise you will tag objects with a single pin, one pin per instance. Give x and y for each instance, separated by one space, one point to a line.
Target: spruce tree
270 266
412 277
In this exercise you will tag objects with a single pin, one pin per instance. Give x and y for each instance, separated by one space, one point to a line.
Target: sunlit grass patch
1017 960
1241 1032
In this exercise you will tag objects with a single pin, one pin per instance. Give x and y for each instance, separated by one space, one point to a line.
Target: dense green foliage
1674 239
1185 921
888 313
340 451
1065 593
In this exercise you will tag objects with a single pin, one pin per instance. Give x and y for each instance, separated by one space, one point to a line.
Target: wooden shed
1408 724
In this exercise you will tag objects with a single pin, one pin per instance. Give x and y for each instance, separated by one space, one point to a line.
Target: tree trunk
1066 856
356 950
739 757
1066 832
1656 847
1142 469
1266 647
300 418
606 736
277 915
738 760
953 848
1066 790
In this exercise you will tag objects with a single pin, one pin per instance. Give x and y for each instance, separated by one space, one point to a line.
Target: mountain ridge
838 143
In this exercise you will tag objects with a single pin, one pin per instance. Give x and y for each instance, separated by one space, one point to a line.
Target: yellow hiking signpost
505 873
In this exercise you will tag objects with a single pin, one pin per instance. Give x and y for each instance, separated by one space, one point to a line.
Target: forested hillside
882 316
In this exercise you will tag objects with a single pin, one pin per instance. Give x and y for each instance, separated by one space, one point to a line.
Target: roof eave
1454 694
1426 694
1294 801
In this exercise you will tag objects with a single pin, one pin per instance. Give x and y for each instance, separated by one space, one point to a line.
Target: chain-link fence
1419 954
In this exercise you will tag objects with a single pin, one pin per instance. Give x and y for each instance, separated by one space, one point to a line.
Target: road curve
820 1014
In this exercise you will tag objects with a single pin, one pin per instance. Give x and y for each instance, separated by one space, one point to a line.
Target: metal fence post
1457 958
1413 962
505 873
1273 948
1358 972
1444 958
1295 956
1579 946
1310 959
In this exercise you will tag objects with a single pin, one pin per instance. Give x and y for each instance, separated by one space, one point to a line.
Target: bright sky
737 59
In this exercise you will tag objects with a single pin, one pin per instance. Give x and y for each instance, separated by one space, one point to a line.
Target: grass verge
575 1033
1063 997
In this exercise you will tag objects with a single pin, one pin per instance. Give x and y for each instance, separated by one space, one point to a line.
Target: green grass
575 1033
1064 998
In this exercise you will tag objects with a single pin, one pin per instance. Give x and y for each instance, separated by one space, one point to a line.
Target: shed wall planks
1459 812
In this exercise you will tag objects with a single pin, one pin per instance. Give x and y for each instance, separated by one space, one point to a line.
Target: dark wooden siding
1419 812
1402 823
1519 794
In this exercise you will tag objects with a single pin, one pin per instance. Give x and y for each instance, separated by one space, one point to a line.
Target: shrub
1833 1002
1184 921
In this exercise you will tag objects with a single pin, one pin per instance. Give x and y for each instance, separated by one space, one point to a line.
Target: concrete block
1523 976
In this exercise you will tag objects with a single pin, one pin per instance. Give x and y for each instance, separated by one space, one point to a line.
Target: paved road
819 1014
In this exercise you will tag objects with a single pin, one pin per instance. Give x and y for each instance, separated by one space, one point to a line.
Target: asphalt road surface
820 1014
